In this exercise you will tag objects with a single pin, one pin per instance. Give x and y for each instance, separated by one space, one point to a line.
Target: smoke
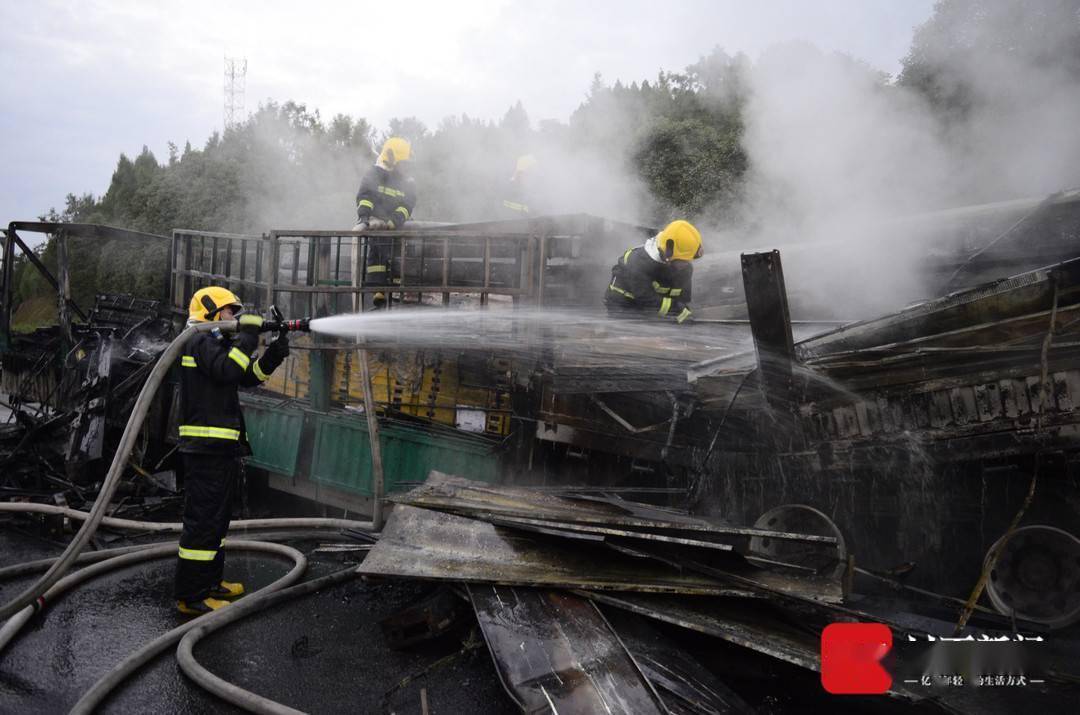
297 176
464 172
838 152
835 153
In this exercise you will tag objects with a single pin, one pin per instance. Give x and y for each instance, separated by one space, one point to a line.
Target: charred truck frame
920 437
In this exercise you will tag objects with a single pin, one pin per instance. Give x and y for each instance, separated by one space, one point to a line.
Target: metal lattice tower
235 76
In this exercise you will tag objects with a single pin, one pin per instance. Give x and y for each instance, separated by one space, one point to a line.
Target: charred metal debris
67 391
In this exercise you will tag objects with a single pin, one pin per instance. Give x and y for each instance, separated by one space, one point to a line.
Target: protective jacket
212 368
642 284
385 195
516 204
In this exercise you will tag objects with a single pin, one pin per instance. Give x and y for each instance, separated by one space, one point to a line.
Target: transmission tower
235 75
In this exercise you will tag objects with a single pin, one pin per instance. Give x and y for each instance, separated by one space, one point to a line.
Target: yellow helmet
524 163
679 241
207 303
394 150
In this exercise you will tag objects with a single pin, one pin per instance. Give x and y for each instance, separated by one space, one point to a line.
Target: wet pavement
325 653
322 653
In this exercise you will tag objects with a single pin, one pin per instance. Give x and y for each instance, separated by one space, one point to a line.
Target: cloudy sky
82 82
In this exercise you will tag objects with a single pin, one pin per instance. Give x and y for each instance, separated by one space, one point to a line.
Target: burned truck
913 441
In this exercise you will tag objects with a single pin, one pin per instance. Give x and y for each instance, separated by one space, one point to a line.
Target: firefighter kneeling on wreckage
213 440
656 276
386 199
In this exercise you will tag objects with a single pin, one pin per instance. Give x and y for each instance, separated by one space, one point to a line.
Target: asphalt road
323 653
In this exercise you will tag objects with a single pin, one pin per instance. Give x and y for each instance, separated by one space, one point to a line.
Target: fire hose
123 451
101 689
177 527
143 553
53 583
219 686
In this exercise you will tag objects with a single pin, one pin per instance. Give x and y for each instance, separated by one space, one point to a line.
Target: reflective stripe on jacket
211 371
385 195
638 282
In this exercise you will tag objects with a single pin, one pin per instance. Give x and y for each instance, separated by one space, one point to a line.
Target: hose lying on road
29 567
143 553
116 469
176 527
224 689
101 689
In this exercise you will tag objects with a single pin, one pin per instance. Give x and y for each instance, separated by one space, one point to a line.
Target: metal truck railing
307 272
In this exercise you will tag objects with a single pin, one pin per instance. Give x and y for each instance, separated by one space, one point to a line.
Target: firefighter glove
250 323
279 348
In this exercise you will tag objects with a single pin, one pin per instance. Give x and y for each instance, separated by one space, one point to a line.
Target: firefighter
516 204
213 440
385 200
656 277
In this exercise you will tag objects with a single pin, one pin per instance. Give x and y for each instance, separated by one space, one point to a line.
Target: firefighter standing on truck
656 277
213 440
385 200
516 203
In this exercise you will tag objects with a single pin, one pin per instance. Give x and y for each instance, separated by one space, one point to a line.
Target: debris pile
542 570
65 408
586 601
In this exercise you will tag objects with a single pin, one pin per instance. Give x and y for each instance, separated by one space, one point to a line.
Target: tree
971 52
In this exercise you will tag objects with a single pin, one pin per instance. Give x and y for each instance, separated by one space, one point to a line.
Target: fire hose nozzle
302 325
280 325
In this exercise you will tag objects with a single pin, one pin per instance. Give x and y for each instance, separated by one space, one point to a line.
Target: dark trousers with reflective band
209 484
378 261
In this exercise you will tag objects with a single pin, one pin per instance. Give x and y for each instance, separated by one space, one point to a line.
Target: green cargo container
340 449
342 455
274 432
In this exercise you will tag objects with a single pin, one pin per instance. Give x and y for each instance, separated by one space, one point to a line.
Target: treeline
673 146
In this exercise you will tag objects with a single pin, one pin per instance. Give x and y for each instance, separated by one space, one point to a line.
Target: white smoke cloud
838 153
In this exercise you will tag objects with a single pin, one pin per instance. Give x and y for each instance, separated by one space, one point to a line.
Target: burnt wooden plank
940 409
962 401
826 425
847 422
988 401
922 409
1032 386
873 417
894 411
1009 399
1060 391
1072 377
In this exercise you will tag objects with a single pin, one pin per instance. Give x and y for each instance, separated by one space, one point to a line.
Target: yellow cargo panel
420 383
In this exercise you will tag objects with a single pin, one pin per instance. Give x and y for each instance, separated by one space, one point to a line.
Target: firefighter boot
197 608
227 589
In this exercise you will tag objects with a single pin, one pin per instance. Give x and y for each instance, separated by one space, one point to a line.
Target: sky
83 82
